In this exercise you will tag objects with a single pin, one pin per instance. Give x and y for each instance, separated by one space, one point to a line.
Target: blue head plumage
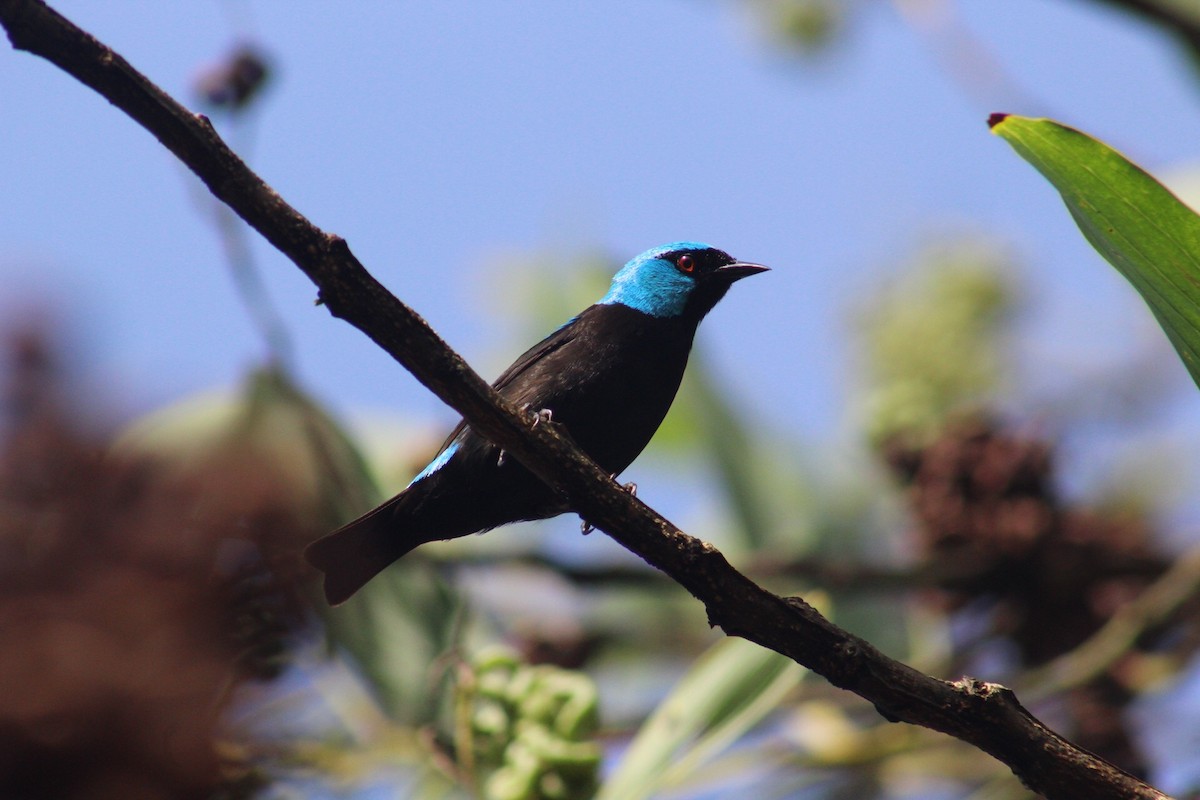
675 279
651 282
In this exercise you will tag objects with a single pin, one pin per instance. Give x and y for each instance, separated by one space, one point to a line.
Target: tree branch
983 714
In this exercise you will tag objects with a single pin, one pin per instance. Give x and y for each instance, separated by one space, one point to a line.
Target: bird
608 376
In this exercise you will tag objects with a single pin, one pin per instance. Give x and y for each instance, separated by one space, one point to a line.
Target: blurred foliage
235 83
135 597
727 692
810 27
807 26
404 620
931 342
525 731
394 630
1035 571
269 420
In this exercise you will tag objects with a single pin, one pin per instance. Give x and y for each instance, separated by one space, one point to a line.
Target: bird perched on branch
608 376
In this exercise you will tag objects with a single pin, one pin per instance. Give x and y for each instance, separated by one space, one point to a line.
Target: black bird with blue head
608 376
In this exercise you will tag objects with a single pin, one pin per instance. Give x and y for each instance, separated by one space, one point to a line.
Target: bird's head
682 279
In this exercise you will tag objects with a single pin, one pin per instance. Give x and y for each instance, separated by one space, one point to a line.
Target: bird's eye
686 264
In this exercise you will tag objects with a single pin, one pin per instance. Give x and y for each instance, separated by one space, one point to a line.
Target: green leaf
397 626
269 418
932 340
729 690
767 491
1143 230
394 629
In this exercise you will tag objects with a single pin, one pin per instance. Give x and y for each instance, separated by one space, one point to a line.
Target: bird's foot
543 415
586 527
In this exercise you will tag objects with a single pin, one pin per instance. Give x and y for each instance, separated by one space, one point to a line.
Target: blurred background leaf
727 692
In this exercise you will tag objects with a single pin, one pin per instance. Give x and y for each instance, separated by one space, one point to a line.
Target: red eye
686 264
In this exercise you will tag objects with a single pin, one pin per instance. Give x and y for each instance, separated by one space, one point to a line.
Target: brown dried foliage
987 511
132 602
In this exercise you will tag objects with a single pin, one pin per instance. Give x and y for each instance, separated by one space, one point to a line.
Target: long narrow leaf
1143 230
729 690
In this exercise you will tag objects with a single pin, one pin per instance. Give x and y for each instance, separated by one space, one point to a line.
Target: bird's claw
629 488
542 415
586 527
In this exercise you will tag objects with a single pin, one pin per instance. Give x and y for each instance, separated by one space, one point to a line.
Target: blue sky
439 137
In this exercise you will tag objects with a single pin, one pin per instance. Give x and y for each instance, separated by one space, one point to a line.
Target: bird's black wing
565 333
545 347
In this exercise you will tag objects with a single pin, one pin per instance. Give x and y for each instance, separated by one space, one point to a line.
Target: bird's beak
737 271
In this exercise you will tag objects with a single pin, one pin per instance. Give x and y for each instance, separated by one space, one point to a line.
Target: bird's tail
358 551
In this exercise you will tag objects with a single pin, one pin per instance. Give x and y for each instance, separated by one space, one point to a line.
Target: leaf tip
995 119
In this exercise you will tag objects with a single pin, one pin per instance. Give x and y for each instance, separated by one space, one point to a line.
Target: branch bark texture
985 715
